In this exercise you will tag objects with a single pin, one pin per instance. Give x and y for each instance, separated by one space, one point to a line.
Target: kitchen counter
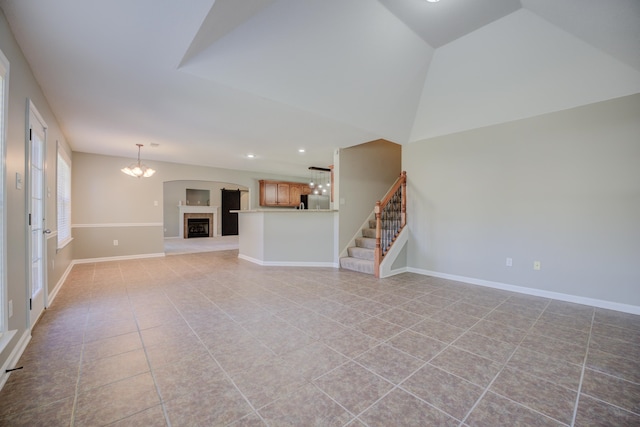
276 237
284 210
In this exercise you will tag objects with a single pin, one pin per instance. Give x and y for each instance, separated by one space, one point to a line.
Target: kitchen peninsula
289 237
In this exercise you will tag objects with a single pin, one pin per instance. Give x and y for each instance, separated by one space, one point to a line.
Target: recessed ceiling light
433 1
251 156
301 150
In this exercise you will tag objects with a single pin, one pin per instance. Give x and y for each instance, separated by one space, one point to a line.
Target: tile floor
207 339
174 245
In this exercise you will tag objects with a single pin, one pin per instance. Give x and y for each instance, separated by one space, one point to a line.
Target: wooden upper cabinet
282 193
268 193
295 190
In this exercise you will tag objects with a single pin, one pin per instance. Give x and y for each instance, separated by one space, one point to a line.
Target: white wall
23 86
109 205
175 191
366 172
560 188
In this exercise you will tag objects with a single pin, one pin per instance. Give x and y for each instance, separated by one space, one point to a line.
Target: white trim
58 286
116 224
396 272
5 69
393 252
117 258
32 110
64 245
14 357
5 339
288 263
625 308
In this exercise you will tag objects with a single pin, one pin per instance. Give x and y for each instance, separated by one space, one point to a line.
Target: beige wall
366 173
23 86
109 205
561 188
175 191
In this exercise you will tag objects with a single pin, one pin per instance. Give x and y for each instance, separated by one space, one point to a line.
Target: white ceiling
210 81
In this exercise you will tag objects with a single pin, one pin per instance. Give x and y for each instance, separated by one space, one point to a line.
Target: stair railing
391 217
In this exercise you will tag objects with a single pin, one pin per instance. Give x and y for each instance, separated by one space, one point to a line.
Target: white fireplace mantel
190 209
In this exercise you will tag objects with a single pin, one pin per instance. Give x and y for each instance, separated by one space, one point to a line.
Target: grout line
292 281
224 371
584 367
146 355
74 408
486 390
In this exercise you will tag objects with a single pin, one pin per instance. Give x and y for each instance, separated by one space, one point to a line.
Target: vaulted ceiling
211 81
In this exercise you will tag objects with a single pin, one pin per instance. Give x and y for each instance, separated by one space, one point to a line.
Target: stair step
357 264
365 242
361 253
369 232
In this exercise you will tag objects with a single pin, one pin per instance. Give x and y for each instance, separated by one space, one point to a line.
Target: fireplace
197 227
188 213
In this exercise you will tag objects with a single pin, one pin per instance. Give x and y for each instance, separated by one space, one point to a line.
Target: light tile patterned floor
207 339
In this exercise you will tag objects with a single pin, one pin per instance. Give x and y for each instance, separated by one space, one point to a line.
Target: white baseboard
288 263
625 308
52 295
14 357
396 272
117 258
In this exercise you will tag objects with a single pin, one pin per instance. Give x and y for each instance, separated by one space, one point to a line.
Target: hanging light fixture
138 169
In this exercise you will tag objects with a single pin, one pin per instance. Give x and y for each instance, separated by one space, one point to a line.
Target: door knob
47 231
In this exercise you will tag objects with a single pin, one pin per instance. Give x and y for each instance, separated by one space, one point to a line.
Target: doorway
36 155
230 202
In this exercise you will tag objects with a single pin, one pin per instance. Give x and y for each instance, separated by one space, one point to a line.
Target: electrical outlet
155 203
10 307
509 262
115 243
536 265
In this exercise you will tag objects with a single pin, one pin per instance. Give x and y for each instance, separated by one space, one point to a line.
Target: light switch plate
18 181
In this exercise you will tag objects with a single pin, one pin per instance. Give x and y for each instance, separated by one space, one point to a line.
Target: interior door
36 154
230 201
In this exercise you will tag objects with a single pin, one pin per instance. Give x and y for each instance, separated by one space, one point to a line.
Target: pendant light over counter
319 182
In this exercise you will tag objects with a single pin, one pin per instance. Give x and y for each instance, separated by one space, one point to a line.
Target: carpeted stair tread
369 232
365 242
357 264
362 253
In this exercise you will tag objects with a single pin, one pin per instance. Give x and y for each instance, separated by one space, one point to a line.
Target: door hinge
30 131
30 304
29 219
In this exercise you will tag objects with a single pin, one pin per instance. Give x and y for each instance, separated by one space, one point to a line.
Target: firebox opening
197 227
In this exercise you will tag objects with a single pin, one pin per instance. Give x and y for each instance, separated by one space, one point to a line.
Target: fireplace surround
187 212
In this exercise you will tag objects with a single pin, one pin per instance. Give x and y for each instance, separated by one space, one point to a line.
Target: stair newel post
378 252
403 214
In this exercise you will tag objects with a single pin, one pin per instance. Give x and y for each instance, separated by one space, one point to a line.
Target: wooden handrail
400 184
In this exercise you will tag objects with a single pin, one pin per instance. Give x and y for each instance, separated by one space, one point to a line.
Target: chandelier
138 169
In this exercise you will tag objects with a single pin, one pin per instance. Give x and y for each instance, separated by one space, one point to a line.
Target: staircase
370 249
362 255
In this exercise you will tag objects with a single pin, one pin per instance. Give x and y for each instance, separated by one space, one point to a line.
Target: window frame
4 107
63 199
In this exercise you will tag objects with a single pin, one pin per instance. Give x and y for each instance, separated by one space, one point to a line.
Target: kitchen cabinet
282 193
